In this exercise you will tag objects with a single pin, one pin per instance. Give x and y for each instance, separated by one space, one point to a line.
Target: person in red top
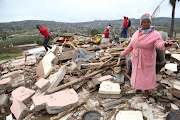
46 35
106 34
125 27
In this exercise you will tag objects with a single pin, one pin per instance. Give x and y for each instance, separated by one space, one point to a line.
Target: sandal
144 95
138 91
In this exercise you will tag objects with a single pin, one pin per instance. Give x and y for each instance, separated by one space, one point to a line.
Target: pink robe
144 59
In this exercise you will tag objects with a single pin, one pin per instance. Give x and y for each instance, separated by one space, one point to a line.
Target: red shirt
44 31
125 24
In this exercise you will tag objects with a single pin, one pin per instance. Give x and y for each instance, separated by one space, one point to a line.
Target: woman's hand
170 43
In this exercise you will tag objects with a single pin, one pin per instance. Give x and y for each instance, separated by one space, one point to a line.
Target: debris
110 105
56 102
108 87
22 94
66 112
42 84
129 115
73 82
91 115
9 117
45 66
171 66
19 109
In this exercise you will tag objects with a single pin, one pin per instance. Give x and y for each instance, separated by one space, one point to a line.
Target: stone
129 115
159 77
3 100
18 109
174 107
152 100
169 72
108 87
22 94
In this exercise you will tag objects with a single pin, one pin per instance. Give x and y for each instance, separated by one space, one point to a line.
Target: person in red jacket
106 33
46 35
125 27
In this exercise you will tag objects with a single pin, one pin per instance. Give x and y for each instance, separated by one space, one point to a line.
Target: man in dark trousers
125 27
46 35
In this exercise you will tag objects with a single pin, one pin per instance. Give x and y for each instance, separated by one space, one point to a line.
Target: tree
173 3
94 32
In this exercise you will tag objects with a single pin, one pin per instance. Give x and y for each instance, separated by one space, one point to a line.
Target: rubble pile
77 79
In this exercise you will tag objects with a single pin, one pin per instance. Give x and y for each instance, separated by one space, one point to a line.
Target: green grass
11 52
9 56
20 40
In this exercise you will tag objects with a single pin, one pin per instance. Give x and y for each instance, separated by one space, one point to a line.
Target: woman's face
146 23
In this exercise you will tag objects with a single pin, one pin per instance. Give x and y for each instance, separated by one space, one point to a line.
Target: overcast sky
81 10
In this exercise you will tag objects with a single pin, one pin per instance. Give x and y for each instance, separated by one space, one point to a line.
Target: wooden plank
105 62
66 112
92 68
27 69
74 81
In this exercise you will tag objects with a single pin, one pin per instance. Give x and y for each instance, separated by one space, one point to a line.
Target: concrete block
19 109
129 115
3 100
22 62
108 87
107 77
10 74
45 66
58 78
18 80
171 66
6 82
22 94
176 56
42 84
56 102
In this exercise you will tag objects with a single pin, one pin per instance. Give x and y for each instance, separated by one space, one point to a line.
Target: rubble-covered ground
73 78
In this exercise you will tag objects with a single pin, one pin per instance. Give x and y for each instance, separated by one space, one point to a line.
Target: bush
94 32
39 42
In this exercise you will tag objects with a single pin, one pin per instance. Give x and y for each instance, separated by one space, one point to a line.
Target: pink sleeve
160 43
127 50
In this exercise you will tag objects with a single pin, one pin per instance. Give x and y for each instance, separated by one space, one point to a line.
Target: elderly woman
143 58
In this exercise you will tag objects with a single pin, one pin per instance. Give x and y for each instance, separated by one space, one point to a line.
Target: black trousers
45 43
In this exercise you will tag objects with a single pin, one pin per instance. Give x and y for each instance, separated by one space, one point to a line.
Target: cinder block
42 84
129 115
22 94
108 87
19 109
